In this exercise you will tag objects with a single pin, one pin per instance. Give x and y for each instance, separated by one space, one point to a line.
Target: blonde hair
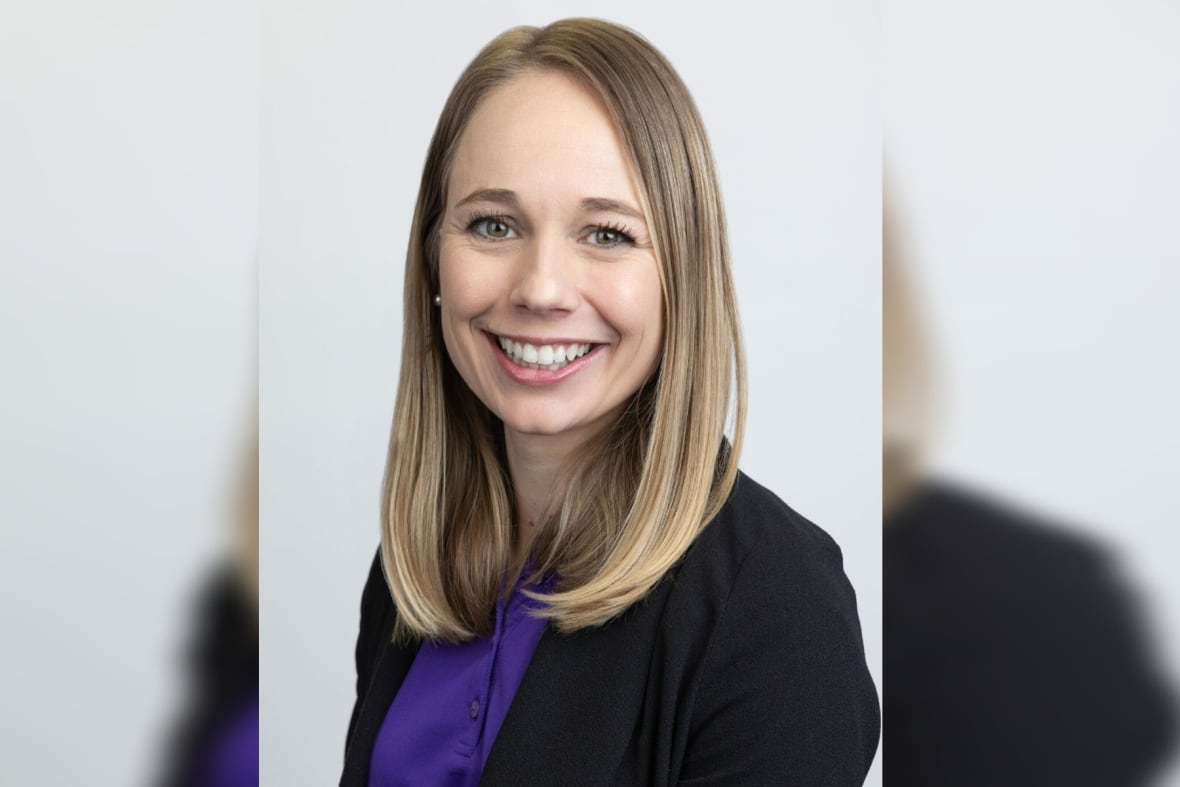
640 493
909 412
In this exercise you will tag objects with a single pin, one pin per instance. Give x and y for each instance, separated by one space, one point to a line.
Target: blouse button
474 708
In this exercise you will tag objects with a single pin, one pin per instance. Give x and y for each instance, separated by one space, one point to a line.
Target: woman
576 585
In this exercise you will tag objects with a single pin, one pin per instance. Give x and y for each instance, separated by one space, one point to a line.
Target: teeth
546 356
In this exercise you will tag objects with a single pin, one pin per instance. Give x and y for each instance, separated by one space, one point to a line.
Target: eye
609 237
491 228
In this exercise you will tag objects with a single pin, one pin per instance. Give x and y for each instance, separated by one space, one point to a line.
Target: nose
545 281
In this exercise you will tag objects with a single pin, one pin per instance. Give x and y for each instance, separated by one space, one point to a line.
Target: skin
544 238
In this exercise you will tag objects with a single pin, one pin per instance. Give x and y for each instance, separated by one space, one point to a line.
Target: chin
547 422
553 419
551 427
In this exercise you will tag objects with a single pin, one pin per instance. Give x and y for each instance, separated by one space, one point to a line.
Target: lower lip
527 376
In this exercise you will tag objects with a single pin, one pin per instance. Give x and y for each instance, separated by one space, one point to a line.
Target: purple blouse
441 725
232 760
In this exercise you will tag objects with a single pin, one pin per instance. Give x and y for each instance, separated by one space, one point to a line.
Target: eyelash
625 237
487 218
473 227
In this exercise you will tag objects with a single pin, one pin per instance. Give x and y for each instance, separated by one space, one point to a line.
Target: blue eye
491 227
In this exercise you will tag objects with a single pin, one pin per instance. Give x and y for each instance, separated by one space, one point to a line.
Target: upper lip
538 340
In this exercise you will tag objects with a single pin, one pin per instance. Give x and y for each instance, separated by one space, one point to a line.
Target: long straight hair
639 494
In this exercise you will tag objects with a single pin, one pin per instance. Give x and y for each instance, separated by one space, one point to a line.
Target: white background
352 91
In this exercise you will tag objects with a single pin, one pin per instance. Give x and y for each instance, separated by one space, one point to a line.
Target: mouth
550 357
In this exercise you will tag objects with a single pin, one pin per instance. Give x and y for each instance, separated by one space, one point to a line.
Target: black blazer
744 666
1015 652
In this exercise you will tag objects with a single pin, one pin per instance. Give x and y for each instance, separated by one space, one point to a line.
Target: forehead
546 135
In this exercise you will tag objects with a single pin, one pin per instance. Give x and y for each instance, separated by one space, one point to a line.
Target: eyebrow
507 198
603 205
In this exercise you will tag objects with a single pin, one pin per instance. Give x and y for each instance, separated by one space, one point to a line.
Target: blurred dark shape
215 743
1013 655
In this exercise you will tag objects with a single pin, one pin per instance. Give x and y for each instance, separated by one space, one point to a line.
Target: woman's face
551 298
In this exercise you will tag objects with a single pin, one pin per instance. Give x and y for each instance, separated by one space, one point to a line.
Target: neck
534 465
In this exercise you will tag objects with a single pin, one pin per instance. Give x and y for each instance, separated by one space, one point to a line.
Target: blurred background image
214 742
128 234
1032 369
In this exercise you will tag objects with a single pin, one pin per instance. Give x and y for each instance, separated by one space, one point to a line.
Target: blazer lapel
387 679
576 710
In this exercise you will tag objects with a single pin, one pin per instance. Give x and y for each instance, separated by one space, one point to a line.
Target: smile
550 357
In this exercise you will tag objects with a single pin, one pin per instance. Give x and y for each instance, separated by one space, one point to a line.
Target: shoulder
758 540
950 535
946 514
377 611
1014 606
375 589
377 617
779 567
376 629
783 664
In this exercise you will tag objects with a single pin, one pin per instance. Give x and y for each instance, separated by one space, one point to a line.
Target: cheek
632 302
466 295
466 283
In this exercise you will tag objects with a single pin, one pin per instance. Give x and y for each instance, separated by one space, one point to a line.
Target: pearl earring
438 300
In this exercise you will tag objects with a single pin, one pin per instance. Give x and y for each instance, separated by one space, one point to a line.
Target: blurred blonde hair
908 398
636 497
